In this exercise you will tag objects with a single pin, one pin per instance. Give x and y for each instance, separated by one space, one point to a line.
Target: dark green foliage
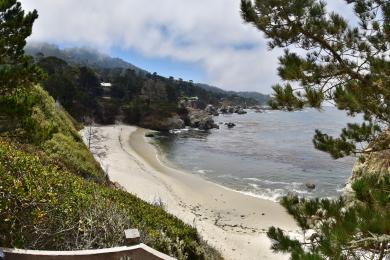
345 64
22 120
283 95
34 118
76 88
284 244
341 229
15 68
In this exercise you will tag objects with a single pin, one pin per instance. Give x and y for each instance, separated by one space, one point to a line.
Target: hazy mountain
79 56
261 98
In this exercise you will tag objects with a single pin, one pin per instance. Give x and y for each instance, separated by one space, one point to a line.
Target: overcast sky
202 40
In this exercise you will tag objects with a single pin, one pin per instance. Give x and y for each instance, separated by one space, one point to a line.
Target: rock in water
241 111
149 134
200 119
310 186
230 125
211 110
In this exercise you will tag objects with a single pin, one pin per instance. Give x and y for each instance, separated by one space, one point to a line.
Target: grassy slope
53 195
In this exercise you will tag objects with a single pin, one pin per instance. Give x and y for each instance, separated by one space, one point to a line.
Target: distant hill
79 56
262 99
95 59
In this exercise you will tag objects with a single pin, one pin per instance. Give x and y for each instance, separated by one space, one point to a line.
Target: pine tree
17 72
348 66
16 69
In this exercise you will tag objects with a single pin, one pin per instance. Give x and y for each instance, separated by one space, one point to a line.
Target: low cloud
208 33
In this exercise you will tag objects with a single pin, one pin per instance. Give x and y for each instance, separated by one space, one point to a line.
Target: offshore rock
230 125
200 119
211 110
310 186
240 111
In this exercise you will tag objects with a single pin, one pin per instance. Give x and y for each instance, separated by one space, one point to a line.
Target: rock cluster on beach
200 119
190 115
203 119
163 124
211 110
232 109
230 125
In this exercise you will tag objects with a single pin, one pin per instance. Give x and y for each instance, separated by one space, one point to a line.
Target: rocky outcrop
226 110
310 185
200 119
232 109
239 110
372 163
162 124
211 110
230 125
369 163
257 109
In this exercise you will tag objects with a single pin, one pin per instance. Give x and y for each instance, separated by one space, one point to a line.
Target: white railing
133 251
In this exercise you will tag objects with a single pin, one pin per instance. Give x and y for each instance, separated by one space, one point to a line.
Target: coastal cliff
372 163
375 159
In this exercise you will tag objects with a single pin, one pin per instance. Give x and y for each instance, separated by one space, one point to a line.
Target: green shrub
44 207
34 118
73 156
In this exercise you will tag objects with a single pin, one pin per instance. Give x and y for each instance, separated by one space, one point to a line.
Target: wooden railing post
132 237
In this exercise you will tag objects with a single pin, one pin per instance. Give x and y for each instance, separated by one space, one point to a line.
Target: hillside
262 99
94 59
55 196
144 99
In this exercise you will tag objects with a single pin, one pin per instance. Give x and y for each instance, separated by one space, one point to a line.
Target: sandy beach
232 222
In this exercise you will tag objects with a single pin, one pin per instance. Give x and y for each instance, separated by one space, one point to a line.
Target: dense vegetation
53 194
349 66
135 96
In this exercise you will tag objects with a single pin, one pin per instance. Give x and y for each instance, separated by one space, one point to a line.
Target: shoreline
231 221
164 161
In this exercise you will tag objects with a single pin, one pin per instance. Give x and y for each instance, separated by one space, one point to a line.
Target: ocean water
266 155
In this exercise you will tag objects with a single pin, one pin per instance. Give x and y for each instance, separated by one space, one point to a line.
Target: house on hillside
106 86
